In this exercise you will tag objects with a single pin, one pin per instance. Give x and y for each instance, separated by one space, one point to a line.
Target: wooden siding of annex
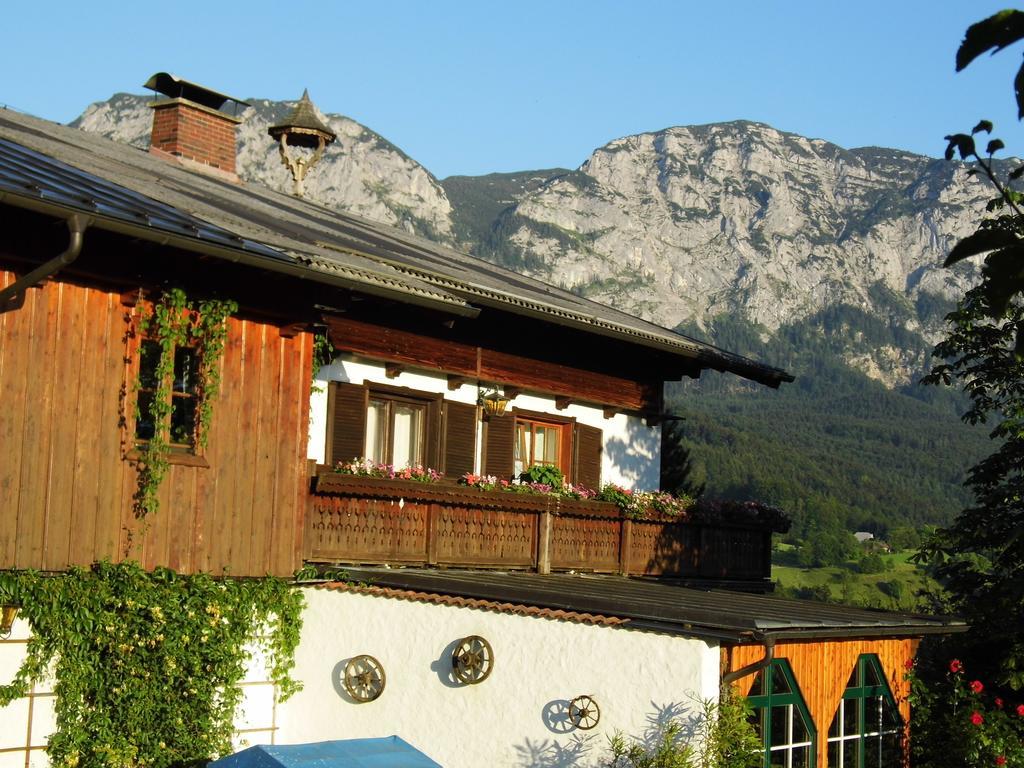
65 486
822 669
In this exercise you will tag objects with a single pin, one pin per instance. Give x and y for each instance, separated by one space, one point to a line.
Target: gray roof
657 605
125 189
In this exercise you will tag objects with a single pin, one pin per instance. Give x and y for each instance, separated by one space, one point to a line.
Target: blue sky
471 88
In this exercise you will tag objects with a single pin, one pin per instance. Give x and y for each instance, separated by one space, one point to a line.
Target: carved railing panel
661 548
464 535
586 543
367 530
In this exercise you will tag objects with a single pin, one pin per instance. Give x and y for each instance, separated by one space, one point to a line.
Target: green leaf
994 33
982 241
963 143
983 126
1018 91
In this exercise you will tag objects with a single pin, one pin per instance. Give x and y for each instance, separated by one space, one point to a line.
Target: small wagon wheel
584 712
363 678
472 660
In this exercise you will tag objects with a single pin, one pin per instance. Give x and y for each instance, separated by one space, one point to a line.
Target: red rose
976 686
1000 760
908 664
1020 710
999 703
955 666
976 718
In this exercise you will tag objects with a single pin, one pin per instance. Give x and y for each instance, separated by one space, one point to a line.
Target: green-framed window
867 730
781 718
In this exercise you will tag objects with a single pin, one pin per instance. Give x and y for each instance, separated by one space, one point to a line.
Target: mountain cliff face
679 226
360 172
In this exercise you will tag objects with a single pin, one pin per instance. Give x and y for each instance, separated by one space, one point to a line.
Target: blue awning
385 752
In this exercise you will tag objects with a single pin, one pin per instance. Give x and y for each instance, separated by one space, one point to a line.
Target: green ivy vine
147 664
176 321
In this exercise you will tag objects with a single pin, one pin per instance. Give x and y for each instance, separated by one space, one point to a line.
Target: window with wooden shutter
587 445
460 422
346 418
499 439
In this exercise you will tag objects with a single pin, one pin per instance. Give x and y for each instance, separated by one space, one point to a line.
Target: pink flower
976 718
999 703
1000 760
956 666
976 686
1020 710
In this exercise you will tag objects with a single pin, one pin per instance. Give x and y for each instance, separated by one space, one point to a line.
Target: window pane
802 758
833 755
891 752
183 420
149 357
551 445
835 727
522 458
757 687
850 724
800 731
407 433
871 676
779 759
780 726
376 424
779 682
185 369
144 427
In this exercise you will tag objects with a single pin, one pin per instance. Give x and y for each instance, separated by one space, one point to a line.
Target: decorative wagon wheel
584 712
472 660
363 678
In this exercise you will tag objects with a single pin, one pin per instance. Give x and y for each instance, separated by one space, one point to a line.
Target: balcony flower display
368 468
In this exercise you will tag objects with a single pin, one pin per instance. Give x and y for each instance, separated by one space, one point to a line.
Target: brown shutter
432 457
459 438
587 466
499 446
346 423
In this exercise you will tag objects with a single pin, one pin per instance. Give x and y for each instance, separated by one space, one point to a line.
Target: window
538 443
181 420
866 731
395 430
781 718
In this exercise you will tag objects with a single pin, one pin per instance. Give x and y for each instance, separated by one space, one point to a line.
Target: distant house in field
485 627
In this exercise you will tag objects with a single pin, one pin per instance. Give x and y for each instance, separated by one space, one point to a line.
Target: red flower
999 703
908 664
1000 760
956 666
976 718
1020 710
976 686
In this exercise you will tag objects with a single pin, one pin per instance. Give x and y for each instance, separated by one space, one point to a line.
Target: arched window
867 730
781 718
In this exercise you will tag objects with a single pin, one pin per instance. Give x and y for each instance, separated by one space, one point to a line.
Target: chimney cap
302 126
176 87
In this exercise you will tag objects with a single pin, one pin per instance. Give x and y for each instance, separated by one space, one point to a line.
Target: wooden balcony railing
362 520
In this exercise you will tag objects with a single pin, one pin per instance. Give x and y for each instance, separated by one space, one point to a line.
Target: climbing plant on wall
176 322
147 664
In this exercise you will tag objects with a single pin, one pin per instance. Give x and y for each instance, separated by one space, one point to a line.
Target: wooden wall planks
65 485
822 668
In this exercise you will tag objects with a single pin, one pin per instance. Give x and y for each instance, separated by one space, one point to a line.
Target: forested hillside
836 449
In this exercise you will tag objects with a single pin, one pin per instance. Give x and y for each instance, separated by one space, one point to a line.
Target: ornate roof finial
302 128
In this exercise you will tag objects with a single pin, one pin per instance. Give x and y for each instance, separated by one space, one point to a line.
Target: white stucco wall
632 450
513 718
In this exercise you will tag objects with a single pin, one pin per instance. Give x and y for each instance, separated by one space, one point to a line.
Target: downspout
13 295
769 654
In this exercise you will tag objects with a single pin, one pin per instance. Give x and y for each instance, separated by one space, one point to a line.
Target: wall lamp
494 403
7 617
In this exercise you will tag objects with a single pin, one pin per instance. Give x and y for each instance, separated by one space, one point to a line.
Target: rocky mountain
361 172
693 223
679 226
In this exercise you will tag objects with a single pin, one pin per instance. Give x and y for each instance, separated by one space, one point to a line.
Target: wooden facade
360 520
822 668
66 476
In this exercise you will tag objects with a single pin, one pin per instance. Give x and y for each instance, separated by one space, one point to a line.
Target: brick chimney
191 126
